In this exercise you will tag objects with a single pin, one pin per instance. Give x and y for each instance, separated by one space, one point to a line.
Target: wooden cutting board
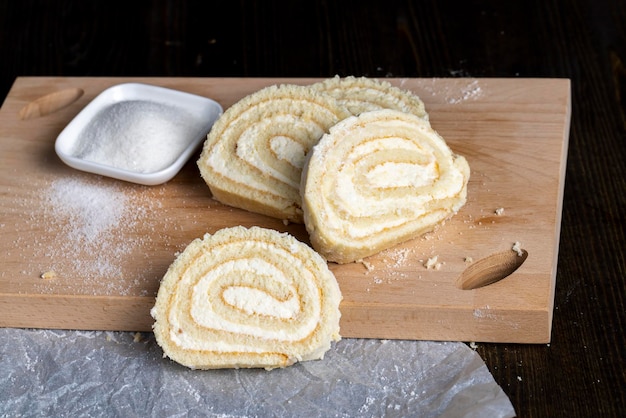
102 245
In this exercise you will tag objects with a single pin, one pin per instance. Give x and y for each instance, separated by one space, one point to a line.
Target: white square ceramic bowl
136 123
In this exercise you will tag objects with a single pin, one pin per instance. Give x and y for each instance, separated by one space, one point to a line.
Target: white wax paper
75 373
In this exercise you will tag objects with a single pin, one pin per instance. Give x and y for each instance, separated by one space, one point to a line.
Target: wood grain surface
105 276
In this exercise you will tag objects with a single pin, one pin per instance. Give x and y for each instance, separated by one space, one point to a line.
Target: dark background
582 372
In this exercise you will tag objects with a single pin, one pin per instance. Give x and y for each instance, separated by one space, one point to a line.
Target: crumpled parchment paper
94 373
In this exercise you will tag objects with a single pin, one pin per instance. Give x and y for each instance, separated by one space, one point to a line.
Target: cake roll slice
363 94
253 156
376 180
246 298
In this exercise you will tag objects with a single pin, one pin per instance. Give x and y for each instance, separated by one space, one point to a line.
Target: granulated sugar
470 89
91 232
136 135
90 209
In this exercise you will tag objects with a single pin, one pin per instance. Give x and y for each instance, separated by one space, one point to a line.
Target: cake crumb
468 259
137 337
517 247
368 266
473 345
499 211
49 275
433 263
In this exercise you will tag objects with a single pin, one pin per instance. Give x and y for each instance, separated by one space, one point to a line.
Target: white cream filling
288 150
285 148
257 302
221 164
391 174
387 175
359 205
369 147
203 314
402 175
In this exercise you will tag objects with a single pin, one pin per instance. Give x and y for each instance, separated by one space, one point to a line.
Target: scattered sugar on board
90 209
484 312
472 90
91 229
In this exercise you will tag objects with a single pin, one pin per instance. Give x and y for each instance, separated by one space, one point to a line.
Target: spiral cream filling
376 180
254 154
252 291
275 147
251 298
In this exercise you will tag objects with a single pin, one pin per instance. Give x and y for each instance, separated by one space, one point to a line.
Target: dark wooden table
582 372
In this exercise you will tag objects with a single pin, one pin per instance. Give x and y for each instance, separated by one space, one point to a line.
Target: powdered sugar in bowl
137 132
